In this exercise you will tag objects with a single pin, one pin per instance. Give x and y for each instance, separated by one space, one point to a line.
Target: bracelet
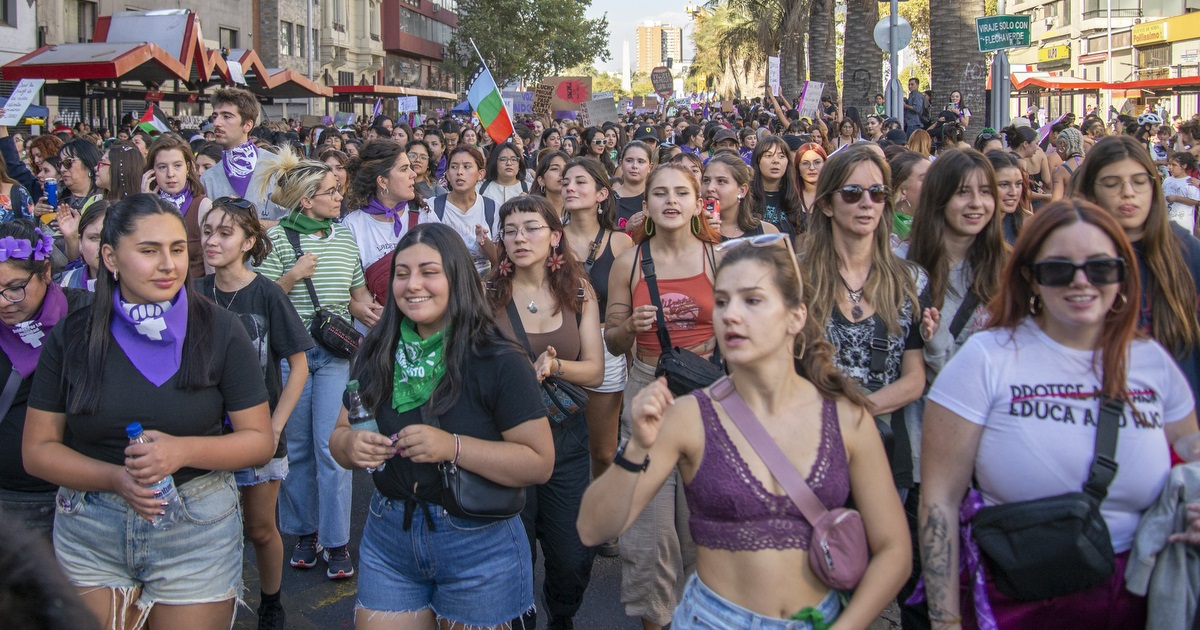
457 449
559 371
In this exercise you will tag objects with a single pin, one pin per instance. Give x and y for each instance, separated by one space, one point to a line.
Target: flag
378 109
484 97
153 120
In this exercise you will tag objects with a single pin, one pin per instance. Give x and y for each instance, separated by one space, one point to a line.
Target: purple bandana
22 344
151 334
181 200
375 207
239 163
971 560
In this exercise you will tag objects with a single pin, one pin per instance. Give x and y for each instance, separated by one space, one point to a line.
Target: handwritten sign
406 103
810 98
663 82
20 100
542 96
773 73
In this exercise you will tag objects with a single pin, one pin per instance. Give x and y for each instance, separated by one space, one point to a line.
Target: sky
624 16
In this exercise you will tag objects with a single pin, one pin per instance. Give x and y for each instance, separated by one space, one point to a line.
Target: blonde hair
294 178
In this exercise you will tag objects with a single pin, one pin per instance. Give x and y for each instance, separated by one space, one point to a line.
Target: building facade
658 44
416 36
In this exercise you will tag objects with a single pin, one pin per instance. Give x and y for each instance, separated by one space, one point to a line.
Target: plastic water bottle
164 490
361 418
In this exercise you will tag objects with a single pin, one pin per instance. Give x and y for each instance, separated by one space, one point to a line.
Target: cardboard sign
663 82
406 103
569 92
543 96
773 74
810 98
598 112
20 100
727 106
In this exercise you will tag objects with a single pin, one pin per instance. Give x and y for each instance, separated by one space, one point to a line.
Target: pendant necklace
532 306
855 296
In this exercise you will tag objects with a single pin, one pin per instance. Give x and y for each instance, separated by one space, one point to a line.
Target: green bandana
902 225
419 367
304 224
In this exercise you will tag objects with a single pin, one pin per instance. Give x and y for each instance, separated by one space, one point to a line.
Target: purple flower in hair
44 247
12 247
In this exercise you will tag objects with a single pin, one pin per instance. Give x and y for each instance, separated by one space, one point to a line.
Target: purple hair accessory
44 247
21 249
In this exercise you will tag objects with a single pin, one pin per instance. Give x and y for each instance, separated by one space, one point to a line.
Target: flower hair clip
12 247
44 247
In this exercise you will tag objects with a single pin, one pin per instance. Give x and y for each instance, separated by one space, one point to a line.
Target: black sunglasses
853 193
236 202
1060 273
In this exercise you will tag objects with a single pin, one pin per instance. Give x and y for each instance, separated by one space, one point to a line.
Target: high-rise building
658 44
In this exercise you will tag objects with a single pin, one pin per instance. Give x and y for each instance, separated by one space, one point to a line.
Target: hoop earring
1124 302
1035 305
803 341
648 227
697 226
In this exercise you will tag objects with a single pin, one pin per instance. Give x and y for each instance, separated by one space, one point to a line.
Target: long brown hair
1010 306
706 234
987 252
125 169
565 283
746 220
892 279
169 142
596 170
1170 289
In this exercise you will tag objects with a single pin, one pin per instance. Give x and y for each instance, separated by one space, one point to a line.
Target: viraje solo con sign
997 32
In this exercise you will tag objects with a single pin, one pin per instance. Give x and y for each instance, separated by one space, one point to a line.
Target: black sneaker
340 567
304 555
271 616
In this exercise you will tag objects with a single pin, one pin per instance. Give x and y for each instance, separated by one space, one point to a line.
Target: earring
385 192
803 342
697 226
116 276
1124 302
506 267
556 260
1035 305
648 227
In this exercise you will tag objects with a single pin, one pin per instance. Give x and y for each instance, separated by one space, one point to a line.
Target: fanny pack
329 329
837 552
685 370
1058 545
564 400
470 495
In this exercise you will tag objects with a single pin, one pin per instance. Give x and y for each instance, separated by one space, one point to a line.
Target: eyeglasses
236 202
812 165
17 294
65 164
1060 273
418 157
508 160
527 231
1112 183
853 193
103 163
331 192
763 240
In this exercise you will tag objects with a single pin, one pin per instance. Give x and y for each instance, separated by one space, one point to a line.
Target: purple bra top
732 510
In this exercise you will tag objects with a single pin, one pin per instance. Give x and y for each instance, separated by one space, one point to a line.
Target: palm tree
822 46
862 60
778 26
954 57
727 49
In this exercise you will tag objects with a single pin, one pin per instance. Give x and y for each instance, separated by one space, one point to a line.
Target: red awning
1046 81
97 61
1172 83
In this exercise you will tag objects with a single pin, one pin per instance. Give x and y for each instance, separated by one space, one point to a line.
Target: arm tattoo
617 314
937 540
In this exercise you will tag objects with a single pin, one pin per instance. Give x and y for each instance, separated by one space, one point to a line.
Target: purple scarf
151 334
181 200
23 343
239 163
969 558
376 207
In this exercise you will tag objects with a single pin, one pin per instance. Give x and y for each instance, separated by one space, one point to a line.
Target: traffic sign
998 32
903 32
663 82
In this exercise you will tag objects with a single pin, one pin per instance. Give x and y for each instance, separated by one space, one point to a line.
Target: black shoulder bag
329 329
564 400
470 495
1049 547
686 371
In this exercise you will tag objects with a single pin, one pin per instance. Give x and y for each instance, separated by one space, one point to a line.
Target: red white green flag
484 97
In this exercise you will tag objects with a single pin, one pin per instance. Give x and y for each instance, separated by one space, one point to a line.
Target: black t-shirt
627 207
276 330
127 396
501 392
12 426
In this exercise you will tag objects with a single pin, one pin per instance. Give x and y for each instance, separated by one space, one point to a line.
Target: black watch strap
620 460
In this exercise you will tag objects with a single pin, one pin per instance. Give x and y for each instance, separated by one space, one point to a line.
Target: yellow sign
1151 33
1053 54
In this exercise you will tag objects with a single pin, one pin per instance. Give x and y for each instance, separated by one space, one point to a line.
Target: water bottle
164 490
361 418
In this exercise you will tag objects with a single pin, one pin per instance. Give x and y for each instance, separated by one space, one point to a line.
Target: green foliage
917 14
527 39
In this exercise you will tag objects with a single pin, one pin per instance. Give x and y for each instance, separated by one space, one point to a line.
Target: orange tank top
687 306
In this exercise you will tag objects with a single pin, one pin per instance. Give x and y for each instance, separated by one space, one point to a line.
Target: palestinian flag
153 120
484 98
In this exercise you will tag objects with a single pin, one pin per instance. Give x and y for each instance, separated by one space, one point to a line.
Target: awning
97 61
388 91
1172 83
275 82
1047 81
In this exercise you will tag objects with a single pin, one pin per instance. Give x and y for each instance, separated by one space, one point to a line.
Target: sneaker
610 549
340 566
271 616
304 555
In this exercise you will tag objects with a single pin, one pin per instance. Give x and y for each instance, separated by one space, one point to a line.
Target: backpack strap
969 304
880 345
486 183
439 206
489 213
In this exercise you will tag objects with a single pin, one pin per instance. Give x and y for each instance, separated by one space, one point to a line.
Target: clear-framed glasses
417 157
17 294
331 192
508 160
510 233
1113 183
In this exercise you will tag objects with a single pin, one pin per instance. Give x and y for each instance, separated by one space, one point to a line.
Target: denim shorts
703 609
274 470
616 367
470 572
100 541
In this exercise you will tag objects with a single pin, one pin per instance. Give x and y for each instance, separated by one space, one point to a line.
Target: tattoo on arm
937 540
616 315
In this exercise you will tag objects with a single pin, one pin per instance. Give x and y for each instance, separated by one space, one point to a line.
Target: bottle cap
133 429
352 386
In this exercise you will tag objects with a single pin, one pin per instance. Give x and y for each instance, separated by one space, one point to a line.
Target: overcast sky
624 16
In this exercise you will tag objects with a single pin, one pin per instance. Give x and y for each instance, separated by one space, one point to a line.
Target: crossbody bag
685 370
329 329
470 495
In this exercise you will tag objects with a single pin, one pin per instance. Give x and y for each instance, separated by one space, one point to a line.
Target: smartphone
713 206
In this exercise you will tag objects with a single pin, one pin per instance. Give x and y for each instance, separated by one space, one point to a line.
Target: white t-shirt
1181 213
464 222
500 193
1037 401
375 238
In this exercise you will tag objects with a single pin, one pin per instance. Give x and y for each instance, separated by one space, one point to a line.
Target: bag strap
964 314
756 434
514 318
489 213
879 344
293 237
10 392
439 206
664 338
591 259
1104 465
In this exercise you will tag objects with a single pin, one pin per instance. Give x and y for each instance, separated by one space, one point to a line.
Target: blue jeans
703 609
315 497
470 572
551 510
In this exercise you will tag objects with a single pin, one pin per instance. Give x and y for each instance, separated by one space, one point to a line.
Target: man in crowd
242 163
914 106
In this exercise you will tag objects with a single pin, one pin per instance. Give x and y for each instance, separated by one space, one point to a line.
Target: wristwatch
619 459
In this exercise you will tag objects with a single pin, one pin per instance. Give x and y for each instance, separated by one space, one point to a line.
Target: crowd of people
676 339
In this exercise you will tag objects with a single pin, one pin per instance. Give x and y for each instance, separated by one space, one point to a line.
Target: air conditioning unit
436 8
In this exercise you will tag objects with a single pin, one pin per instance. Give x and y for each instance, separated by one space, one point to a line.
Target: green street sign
997 32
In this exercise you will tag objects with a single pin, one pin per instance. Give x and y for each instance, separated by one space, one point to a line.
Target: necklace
532 307
228 306
855 296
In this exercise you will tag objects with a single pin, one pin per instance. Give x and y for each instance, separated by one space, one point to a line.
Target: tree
527 39
822 46
955 60
862 60
917 14
728 50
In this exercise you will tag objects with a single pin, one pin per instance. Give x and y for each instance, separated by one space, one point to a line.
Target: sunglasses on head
853 193
1060 273
762 240
236 202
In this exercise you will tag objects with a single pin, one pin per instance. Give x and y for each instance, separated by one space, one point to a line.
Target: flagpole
489 71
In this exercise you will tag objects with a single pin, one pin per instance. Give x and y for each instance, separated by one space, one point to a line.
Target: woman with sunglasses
775 195
810 159
1119 176
316 494
593 143
171 172
726 180
657 551
872 304
987 141
504 178
548 178
1004 419
751 539
1015 200
540 297
78 161
418 159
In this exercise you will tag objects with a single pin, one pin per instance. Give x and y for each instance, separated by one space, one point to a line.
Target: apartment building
416 36
658 44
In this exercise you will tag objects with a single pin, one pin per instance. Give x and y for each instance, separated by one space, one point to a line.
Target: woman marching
1069 145
150 353
1014 194
540 296
774 192
726 180
171 171
810 159
752 541
548 179
479 410
908 179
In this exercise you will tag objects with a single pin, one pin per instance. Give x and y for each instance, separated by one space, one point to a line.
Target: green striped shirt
338 269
